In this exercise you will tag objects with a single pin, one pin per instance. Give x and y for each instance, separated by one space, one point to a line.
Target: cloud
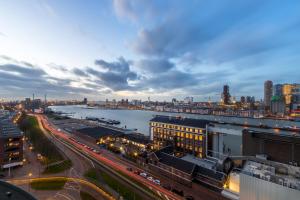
115 75
2 34
154 65
206 32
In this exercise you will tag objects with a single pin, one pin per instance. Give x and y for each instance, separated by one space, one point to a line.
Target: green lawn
60 167
40 143
48 184
86 196
122 189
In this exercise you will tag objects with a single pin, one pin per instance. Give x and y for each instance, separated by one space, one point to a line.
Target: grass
48 184
122 189
60 167
86 196
29 125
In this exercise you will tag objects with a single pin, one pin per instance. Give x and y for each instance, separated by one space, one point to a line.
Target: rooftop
285 175
199 123
274 131
100 131
11 192
8 129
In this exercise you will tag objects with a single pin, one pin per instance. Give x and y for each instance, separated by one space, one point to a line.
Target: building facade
186 135
268 92
11 144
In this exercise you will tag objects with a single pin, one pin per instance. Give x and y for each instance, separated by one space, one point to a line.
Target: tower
268 91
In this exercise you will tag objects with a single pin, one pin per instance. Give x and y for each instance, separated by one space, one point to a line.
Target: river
139 119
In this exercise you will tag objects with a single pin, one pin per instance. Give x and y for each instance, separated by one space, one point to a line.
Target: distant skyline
138 48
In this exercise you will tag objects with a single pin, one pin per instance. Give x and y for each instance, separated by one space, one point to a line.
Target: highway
108 163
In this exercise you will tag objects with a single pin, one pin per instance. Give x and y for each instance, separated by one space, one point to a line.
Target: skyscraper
278 88
226 95
268 91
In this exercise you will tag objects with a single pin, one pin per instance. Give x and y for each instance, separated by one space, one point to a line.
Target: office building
85 101
186 135
277 90
243 99
11 144
278 106
226 95
268 92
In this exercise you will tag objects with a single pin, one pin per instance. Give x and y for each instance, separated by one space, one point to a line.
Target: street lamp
9 166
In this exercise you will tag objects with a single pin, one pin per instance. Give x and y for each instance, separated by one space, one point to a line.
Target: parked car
150 178
156 181
143 174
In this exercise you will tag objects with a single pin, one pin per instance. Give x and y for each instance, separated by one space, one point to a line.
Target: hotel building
186 135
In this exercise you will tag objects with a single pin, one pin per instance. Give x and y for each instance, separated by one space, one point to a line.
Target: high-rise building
226 95
277 90
243 99
85 101
287 92
268 91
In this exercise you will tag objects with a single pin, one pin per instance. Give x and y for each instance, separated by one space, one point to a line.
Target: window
191 136
200 137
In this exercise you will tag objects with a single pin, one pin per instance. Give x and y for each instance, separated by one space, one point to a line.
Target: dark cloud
79 72
155 65
27 78
116 75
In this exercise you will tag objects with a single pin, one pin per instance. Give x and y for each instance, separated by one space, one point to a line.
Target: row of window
177 127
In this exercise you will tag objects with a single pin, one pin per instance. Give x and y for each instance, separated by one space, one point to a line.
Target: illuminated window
178 134
187 135
200 137
191 136
196 137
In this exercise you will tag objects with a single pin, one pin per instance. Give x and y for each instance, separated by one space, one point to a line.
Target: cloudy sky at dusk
138 48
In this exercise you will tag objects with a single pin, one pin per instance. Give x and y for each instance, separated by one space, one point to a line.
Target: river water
139 119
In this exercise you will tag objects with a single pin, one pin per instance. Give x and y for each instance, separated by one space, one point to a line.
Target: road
111 164
75 188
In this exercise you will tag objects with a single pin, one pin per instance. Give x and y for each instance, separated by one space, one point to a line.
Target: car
150 178
143 174
156 181
136 172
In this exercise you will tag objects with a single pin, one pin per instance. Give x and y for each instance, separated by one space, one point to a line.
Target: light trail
112 164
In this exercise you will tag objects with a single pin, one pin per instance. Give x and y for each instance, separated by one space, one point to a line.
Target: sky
137 49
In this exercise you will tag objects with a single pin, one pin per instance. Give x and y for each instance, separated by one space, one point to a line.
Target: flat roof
275 131
199 161
8 129
97 132
183 121
270 173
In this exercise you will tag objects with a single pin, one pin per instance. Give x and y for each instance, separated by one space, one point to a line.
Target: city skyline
135 49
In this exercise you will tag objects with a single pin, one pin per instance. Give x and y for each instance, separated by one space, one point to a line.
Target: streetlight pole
9 167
